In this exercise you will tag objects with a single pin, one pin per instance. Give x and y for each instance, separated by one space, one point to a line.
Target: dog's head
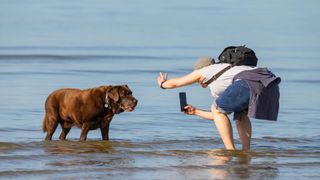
120 99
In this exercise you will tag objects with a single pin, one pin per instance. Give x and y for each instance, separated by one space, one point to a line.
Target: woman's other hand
162 78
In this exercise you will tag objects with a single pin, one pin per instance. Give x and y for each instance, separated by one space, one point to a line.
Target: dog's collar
107 104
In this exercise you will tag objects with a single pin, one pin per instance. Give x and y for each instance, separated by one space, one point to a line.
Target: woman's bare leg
224 128
245 131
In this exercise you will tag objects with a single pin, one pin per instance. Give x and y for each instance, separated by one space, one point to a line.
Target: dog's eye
127 93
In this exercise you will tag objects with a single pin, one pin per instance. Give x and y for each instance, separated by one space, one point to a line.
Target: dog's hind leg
51 119
51 126
64 133
65 130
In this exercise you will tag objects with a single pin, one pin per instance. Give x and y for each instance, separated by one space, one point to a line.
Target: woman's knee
217 111
244 121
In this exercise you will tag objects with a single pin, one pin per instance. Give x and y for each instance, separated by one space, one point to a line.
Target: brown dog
88 109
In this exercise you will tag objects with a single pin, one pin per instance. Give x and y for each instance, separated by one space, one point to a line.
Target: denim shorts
235 98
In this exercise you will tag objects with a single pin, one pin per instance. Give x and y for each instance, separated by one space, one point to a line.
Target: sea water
45 46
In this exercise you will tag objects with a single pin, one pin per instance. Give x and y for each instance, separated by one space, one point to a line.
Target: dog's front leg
105 133
105 124
84 131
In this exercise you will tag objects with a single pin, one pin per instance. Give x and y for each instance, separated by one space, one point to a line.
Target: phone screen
183 100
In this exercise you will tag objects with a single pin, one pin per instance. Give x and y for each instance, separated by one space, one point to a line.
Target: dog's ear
114 94
126 88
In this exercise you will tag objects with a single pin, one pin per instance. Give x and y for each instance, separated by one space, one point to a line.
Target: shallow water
165 159
95 43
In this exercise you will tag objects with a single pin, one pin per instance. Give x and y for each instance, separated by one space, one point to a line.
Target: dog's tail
44 124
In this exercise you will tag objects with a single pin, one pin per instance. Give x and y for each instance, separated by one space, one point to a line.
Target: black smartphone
183 100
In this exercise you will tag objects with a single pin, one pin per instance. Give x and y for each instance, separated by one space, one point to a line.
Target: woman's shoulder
244 67
237 69
214 68
217 66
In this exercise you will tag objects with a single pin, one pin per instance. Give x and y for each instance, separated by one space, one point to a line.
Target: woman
204 70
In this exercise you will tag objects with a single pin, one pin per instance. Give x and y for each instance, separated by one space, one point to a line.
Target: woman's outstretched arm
191 78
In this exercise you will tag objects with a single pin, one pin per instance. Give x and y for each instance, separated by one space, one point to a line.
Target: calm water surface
46 46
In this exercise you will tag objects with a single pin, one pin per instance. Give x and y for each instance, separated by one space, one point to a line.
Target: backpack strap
216 76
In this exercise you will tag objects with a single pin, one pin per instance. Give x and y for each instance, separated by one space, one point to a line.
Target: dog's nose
135 101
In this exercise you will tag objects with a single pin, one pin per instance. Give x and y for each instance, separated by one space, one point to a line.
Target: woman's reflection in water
237 164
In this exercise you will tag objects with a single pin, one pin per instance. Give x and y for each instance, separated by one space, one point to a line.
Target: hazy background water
49 45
